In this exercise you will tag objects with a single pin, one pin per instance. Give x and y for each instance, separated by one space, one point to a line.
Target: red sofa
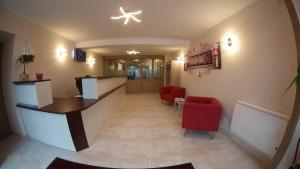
201 113
169 93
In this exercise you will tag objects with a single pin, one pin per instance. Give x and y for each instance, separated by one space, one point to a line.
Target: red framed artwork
206 55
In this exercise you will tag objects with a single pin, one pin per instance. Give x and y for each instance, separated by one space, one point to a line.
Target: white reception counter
69 123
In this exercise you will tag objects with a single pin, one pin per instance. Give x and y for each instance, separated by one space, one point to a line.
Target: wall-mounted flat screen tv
79 55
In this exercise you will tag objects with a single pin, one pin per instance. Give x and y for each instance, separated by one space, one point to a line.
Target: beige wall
97 68
262 66
175 71
45 45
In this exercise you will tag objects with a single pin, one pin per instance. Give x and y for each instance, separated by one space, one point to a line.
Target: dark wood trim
292 124
63 105
30 82
100 78
5 129
59 163
77 130
69 105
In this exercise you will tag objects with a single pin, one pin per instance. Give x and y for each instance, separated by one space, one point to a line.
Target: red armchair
201 113
169 93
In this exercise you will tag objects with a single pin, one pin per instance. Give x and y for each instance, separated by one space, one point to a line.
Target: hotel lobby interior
172 84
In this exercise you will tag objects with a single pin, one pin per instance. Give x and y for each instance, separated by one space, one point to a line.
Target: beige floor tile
140 133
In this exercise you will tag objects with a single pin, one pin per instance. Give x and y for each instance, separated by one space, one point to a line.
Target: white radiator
261 128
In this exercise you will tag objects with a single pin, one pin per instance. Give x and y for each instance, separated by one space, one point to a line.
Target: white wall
262 66
45 45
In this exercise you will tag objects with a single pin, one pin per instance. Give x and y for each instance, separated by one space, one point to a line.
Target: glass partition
133 69
158 69
114 67
147 69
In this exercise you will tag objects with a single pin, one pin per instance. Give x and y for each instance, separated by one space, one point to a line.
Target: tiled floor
141 133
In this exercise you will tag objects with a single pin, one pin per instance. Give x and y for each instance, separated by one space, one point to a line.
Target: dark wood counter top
30 81
102 77
69 105
63 105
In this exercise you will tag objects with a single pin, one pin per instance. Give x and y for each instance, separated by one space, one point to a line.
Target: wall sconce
181 57
91 61
61 53
229 41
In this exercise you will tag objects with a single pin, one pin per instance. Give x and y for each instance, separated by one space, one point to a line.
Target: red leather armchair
201 113
169 93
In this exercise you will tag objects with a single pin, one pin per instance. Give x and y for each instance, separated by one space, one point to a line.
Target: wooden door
134 82
152 75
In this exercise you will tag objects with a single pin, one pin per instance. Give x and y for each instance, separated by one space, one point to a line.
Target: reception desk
69 123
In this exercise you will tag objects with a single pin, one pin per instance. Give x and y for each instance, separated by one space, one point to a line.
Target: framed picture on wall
203 59
185 66
205 56
216 55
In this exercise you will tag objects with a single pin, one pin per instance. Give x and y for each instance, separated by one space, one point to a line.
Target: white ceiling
144 49
81 20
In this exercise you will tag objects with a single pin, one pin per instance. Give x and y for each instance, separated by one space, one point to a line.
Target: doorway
4 124
145 74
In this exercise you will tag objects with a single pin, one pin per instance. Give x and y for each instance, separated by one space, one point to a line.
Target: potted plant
25 59
296 80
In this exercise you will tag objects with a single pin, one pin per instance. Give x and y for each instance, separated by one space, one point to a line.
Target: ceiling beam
133 41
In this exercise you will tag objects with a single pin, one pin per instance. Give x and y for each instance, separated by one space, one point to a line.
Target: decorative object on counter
39 76
204 56
25 59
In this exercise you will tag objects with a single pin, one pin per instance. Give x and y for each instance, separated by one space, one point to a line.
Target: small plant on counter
25 59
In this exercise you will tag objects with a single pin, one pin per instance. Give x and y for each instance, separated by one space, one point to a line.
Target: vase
39 76
23 77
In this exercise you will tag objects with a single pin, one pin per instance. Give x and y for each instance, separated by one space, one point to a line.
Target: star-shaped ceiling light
132 52
127 16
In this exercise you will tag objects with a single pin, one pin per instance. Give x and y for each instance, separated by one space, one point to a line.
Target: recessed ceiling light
132 52
127 16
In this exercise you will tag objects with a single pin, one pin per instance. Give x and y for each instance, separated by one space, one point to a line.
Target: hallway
141 133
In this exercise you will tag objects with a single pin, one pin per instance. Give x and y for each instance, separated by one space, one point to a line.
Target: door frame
141 58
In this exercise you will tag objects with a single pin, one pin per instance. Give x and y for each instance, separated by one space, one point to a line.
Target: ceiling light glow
127 16
132 52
